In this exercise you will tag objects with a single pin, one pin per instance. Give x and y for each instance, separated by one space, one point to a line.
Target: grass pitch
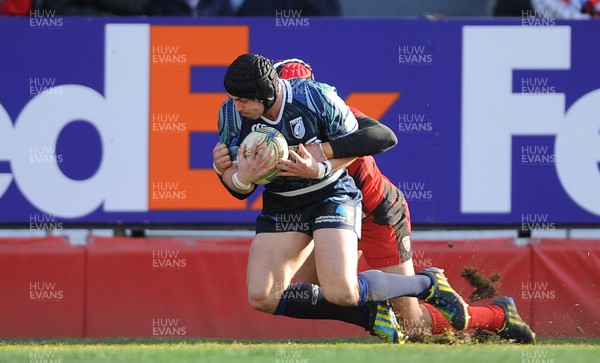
371 351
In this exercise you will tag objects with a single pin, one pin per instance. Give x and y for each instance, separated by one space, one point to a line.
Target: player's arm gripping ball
268 145
221 158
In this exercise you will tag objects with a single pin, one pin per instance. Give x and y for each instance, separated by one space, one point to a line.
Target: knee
262 301
343 295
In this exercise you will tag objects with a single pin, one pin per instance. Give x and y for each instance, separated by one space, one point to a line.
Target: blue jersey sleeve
338 119
230 124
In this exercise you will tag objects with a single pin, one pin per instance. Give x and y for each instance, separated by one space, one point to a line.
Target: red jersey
372 183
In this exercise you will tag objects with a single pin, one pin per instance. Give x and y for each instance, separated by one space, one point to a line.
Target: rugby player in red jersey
386 231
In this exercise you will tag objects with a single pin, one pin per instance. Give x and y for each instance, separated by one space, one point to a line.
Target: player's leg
273 262
500 317
337 225
386 245
381 316
384 250
414 318
336 229
336 259
494 317
307 273
274 259
336 262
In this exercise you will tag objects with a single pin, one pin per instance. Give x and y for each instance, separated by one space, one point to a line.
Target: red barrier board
41 289
564 289
143 287
488 257
188 288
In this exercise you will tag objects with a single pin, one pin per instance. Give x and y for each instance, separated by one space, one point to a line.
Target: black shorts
336 205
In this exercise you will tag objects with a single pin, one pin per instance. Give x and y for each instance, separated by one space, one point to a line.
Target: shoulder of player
302 86
229 117
227 104
314 95
223 111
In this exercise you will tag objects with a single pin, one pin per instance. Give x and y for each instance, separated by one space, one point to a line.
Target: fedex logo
145 119
492 114
146 94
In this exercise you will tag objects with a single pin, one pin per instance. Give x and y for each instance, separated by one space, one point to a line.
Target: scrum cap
294 68
252 76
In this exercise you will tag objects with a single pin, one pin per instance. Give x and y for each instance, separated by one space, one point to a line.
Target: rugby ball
274 141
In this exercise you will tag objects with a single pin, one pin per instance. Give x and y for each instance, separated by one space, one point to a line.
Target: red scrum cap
294 68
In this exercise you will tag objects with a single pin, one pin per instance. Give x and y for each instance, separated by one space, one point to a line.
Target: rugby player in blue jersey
325 206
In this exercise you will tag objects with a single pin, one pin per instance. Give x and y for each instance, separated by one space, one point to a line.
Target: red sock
490 317
440 324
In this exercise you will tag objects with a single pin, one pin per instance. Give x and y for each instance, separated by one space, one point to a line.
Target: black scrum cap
252 76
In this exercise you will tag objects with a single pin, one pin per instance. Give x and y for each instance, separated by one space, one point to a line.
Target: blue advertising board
112 121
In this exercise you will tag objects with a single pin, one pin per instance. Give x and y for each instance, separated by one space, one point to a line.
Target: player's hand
221 157
257 164
305 166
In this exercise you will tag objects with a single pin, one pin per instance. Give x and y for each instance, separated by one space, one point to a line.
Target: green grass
155 351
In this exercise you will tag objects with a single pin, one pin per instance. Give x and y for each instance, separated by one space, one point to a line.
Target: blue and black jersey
311 112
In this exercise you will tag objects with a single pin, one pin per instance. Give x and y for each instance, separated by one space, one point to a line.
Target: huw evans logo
537 291
295 292
291 19
168 191
414 55
536 356
44 154
168 327
168 122
44 19
414 327
289 356
290 223
44 222
44 85
536 85
168 54
415 191
168 260
536 155
44 291
44 356
537 18
414 123
420 261
536 222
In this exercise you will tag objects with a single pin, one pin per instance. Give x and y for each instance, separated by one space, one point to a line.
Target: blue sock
363 290
306 301
379 286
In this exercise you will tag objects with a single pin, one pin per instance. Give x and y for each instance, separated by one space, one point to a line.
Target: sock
382 286
306 301
489 317
440 324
